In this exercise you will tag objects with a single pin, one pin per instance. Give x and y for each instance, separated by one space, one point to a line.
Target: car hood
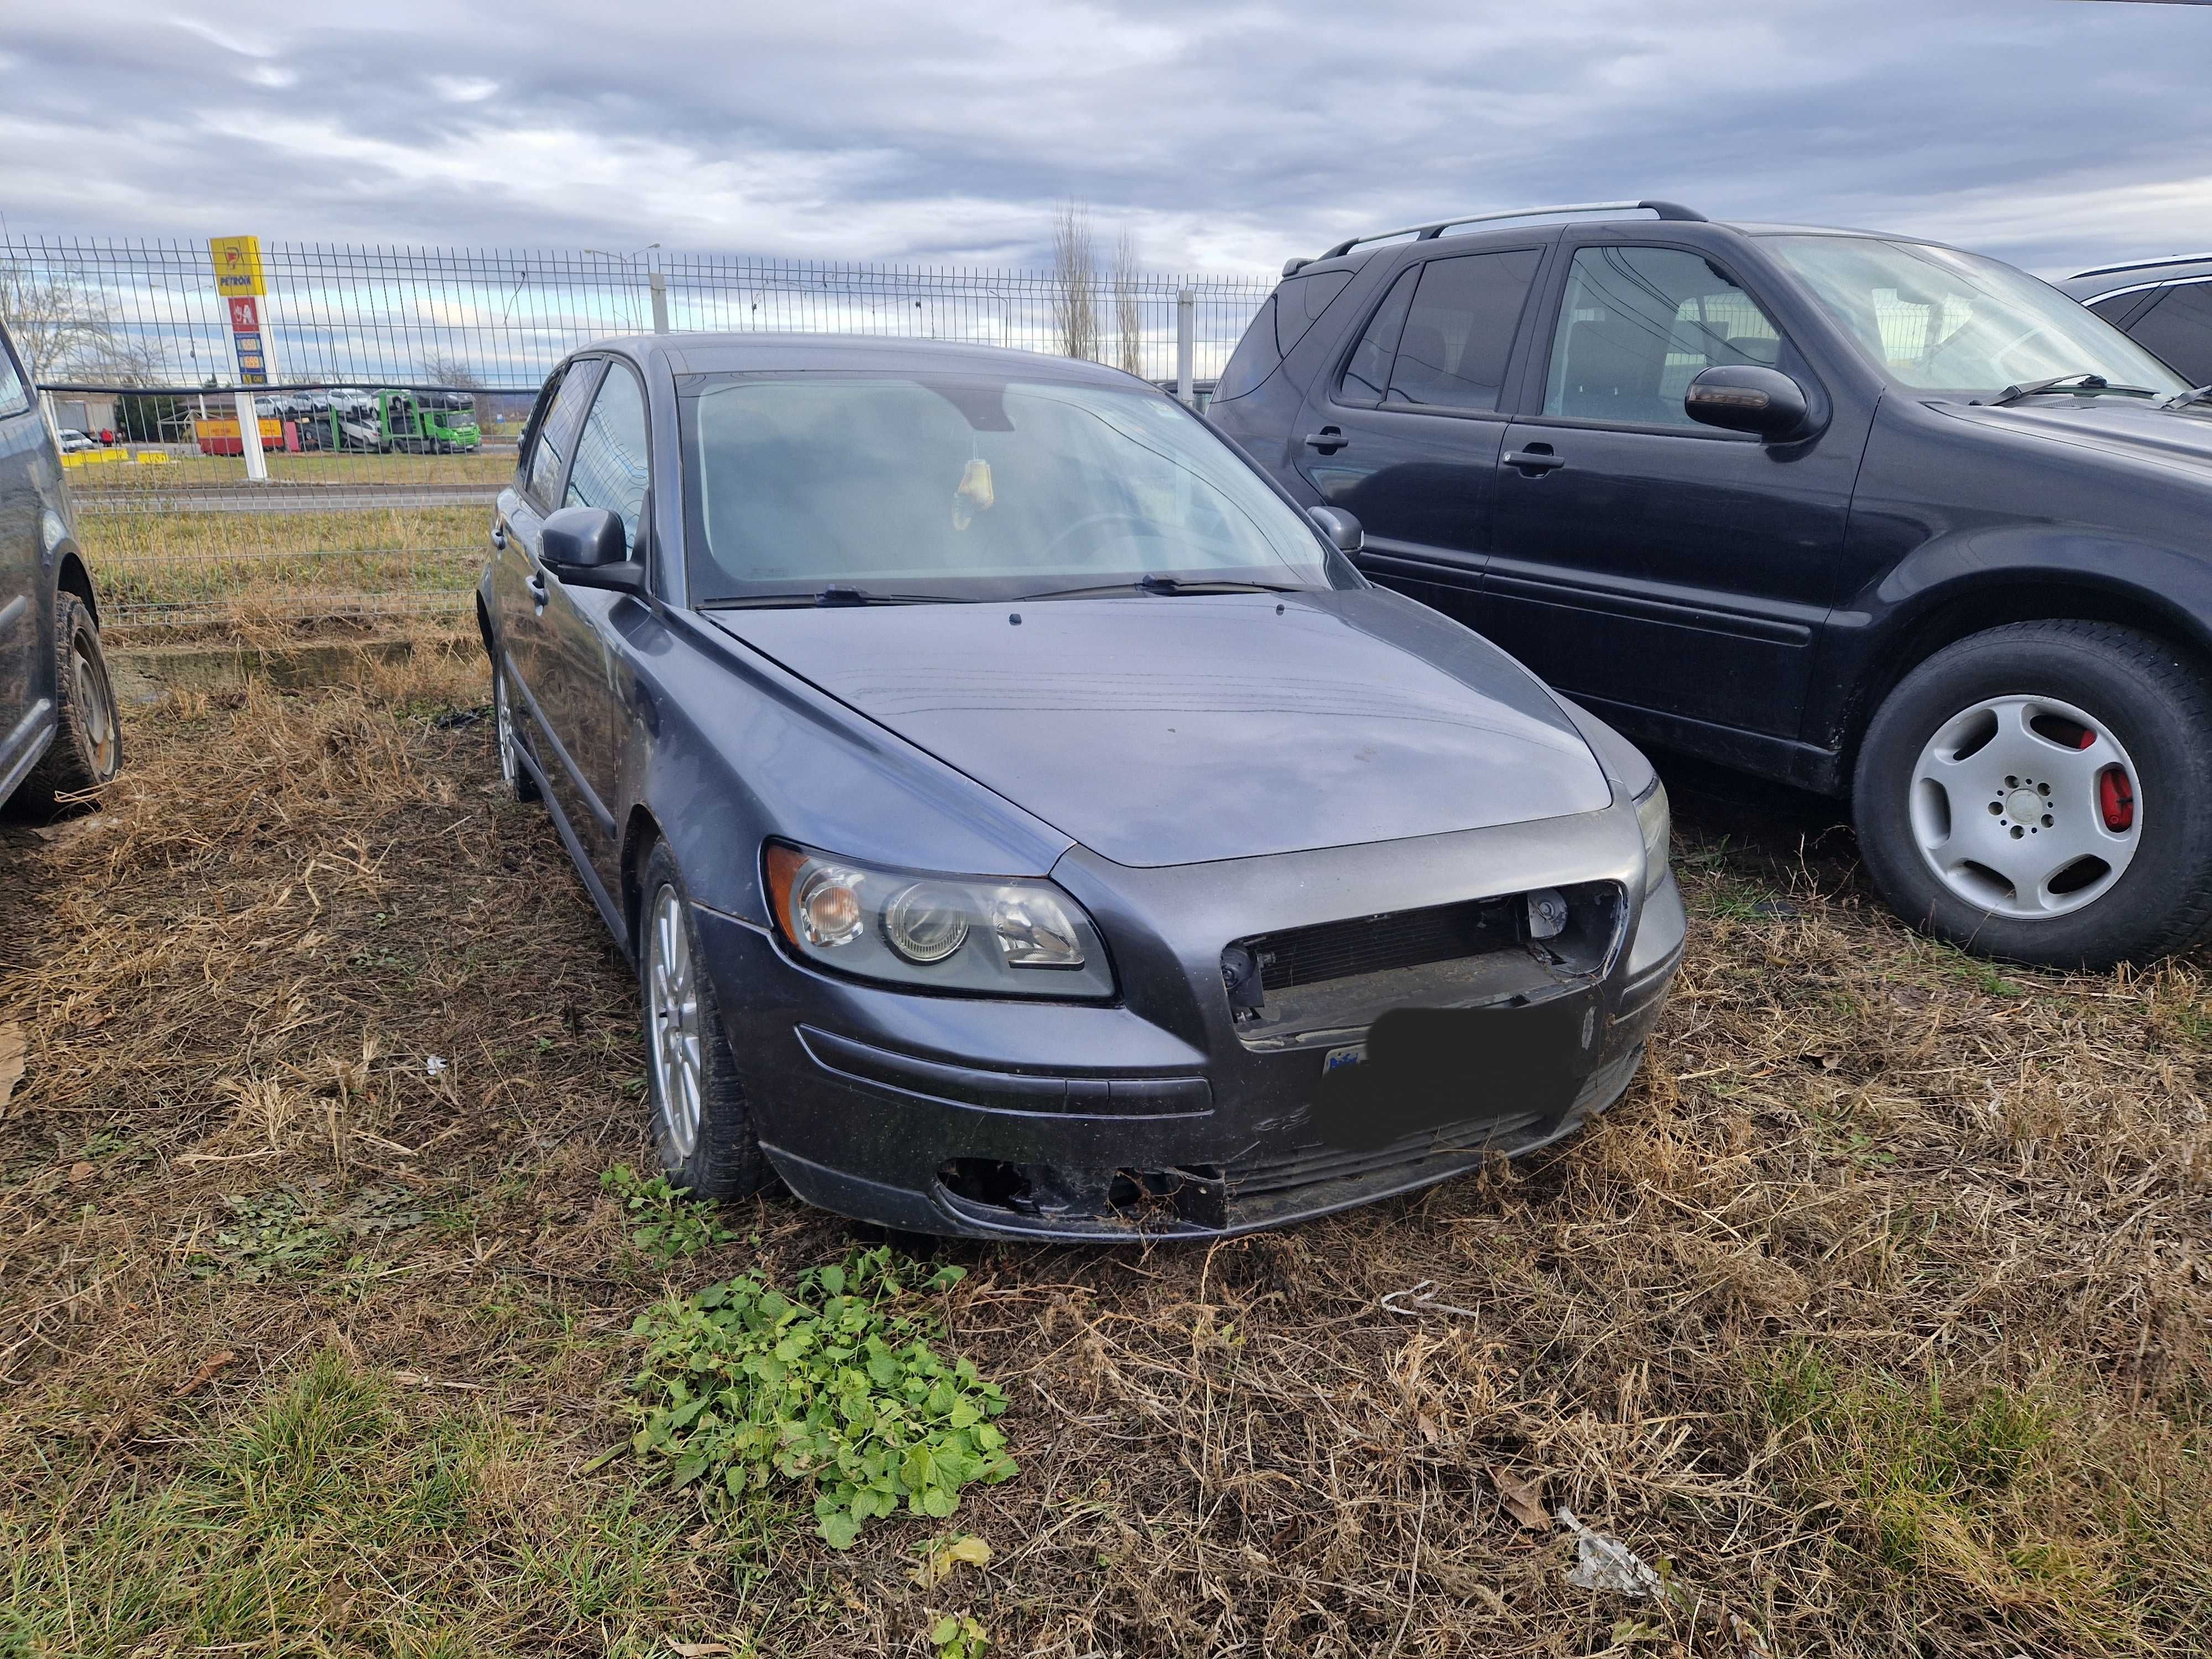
2127 428
1175 729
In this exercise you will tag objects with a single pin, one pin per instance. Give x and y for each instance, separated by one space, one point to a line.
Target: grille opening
1375 945
1271 965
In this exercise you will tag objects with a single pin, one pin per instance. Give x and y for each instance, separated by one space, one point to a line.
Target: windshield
972 487
1936 320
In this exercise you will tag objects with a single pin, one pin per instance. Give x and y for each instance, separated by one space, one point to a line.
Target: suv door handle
538 588
498 533
1536 460
1328 439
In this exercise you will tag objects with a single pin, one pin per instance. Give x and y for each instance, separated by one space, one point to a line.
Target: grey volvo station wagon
1025 819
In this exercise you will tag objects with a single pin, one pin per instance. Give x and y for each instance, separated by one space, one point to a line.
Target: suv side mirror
584 546
1342 530
1746 398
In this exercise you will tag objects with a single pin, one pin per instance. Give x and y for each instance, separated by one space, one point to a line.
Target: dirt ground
1875 1318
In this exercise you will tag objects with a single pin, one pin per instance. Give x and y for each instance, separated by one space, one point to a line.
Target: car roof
2101 280
755 353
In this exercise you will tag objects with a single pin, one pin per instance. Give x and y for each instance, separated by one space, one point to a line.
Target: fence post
249 437
659 282
1186 341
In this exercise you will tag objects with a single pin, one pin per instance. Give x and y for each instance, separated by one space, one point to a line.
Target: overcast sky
2057 133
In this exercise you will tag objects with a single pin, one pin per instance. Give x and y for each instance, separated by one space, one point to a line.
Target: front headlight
1653 817
972 934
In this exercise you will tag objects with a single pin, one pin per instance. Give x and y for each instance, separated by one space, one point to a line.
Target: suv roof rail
2142 264
1436 228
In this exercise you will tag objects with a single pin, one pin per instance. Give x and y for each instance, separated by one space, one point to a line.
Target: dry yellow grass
1877 1312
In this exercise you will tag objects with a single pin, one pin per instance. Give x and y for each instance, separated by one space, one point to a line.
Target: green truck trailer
411 422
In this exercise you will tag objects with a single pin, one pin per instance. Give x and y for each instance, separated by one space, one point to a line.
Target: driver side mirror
1342 530
1746 398
584 547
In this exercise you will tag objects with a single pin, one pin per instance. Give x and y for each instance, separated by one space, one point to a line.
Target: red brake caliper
2116 795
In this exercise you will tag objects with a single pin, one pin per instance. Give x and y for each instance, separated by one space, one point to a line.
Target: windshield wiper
1170 586
827 597
2202 394
2089 383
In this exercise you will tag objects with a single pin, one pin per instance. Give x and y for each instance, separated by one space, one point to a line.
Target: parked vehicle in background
390 422
2164 306
73 442
1862 513
57 728
1024 819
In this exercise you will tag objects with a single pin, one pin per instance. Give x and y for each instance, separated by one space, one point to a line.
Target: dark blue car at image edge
1022 816
1860 513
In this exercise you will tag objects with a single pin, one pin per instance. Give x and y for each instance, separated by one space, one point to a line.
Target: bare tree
61 326
1074 282
1128 315
453 373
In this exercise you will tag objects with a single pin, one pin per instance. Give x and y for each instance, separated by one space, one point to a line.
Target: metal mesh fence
179 534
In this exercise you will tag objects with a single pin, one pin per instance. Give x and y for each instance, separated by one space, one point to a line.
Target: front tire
88 746
2041 793
701 1124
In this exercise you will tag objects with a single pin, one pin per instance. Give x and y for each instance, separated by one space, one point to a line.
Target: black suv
1862 513
58 730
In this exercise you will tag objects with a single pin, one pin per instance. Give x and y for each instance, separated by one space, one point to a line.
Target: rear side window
1368 372
1255 358
14 394
2178 328
556 434
1638 324
1460 330
1299 303
610 455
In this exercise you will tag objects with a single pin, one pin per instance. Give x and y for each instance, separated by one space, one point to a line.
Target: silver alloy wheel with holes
2009 798
502 712
99 713
672 1006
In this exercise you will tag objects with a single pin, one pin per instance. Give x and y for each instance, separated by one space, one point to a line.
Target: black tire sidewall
71 765
727 1162
2129 683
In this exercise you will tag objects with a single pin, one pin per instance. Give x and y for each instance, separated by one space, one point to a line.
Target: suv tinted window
14 394
1369 371
1302 300
1255 358
1459 330
1638 324
556 434
611 466
2178 328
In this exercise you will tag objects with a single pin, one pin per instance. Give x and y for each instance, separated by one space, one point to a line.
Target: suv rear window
1254 359
1300 301
1460 329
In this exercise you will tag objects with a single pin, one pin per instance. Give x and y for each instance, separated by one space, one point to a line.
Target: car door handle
538 588
1536 460
1328 439
499 534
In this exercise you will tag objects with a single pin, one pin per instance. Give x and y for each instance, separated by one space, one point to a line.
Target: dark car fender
729 749
1967 579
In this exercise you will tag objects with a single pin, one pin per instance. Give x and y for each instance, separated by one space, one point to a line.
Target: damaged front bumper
1186 1108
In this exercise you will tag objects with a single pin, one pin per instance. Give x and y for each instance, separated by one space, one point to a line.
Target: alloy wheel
673 997
2026 806
503 717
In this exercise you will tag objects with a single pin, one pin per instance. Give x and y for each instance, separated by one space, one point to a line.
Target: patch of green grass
329 1522
835 1384
1927 1467
666 1222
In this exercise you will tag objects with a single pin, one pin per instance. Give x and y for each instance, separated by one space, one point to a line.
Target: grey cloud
2054 133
